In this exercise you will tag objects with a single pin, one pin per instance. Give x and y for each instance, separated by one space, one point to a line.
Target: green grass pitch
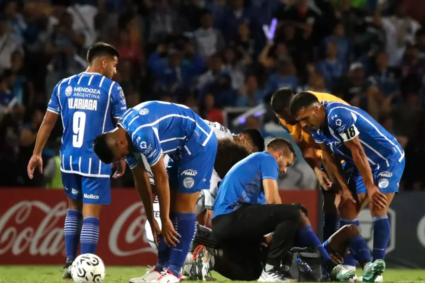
52 274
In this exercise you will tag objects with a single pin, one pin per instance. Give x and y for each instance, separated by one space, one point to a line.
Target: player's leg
194 175
96 193
73 220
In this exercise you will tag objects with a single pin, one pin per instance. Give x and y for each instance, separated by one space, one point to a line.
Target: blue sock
359 250
89 235
163 255
330 225
381 236
348 258
309 238
72 230
185 225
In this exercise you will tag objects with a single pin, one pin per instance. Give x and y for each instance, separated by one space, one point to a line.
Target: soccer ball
88 268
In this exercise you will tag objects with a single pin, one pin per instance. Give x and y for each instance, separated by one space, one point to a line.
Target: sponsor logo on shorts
74 192
188 182
91 196
383 183
144 111
385 174
189 172
68 91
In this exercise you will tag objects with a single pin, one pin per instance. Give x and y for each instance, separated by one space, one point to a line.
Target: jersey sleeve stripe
52 110
156 160
269 177
107 105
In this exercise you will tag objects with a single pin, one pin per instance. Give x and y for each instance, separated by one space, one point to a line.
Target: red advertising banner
31 226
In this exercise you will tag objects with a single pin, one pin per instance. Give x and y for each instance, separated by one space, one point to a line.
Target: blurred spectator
128 51
234 16
234 67
420 42
7 97
413 178
214 69
83 16
208 109
250 95
221 89
316 83
353 84
388 123
386 78
412 64
163 21
409 114
353 19
399 29
343 45
243 41
207 40
15 20
284 77
332 68
8 44
271 53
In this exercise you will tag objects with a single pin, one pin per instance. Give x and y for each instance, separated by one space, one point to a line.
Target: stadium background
213 56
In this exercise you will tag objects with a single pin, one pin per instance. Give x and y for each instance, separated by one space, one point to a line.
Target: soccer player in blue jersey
153 129
374 161
89 104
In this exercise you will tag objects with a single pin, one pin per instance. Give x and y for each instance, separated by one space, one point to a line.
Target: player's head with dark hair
307 111
251 139
280 104
283 151
103 59
228 154
301 207
112 146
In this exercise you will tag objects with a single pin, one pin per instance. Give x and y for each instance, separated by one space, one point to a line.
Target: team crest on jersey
144 111
338 122
383 183
68 91
188 182
143 145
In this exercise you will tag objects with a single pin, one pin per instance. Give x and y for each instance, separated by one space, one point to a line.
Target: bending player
241 217
311 153
375 160
155 128
88 96
213 257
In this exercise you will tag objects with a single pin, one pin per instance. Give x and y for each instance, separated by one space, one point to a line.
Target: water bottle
303 266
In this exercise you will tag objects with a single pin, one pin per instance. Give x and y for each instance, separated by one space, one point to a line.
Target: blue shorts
387 179
192 173
91 190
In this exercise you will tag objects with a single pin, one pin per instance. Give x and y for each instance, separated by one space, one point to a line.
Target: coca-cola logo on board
128 232
20 233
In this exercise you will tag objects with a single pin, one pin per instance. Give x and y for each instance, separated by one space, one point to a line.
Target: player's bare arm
310 157
119 165
271 191
163 192
43 135
143 187
360 159
334 169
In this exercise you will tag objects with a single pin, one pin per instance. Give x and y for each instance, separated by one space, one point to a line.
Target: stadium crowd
213 54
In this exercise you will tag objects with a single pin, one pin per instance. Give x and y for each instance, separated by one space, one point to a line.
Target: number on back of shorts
78 127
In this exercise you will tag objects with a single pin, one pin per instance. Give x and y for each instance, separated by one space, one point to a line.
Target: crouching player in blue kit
88 103
248 206
374 161
155 128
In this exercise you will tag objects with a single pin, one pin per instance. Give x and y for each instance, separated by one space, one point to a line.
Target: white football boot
204 262
150 276
188 263
168 277
272 276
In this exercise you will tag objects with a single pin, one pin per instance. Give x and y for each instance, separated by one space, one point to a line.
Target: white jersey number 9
78 126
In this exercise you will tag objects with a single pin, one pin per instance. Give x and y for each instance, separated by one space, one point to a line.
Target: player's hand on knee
170 236
377 198
35 161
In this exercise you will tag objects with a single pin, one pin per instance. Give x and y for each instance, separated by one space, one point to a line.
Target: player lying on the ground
155 128
248 206
374 159
311 153
210 256
89 104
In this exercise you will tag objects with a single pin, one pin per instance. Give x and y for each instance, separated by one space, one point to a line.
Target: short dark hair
255 136
301 207
281 99
301 100
100 147
101 49
228 154
281 144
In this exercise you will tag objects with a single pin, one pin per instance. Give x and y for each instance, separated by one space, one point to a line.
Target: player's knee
75 204
91 210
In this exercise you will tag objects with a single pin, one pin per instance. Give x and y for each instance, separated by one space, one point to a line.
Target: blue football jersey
88 104
345 122
244 183
158 128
